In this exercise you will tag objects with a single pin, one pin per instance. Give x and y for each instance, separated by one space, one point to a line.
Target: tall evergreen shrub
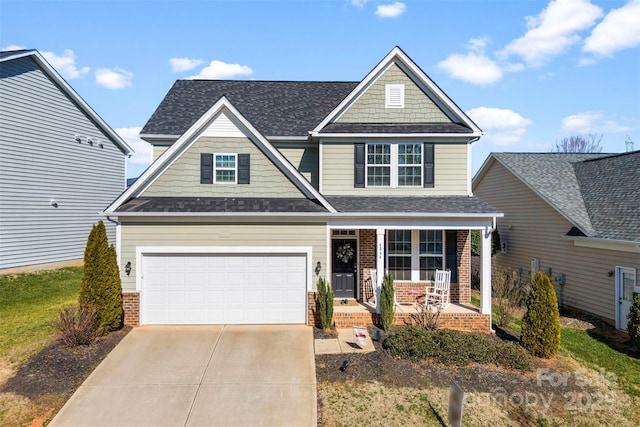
101 286
633 326
387 302
325 301
541 322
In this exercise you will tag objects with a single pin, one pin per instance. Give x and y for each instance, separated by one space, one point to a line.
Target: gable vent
394 96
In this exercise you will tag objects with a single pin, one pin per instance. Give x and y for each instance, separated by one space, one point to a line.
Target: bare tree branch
589 143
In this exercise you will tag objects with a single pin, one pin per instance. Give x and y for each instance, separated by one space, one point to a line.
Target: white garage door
224 289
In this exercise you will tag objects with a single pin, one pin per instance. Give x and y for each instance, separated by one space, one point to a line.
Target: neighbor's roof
275 108
598 193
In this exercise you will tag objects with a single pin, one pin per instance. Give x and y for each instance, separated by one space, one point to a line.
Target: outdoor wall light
90 141
53 203
318 268
78 139
127 268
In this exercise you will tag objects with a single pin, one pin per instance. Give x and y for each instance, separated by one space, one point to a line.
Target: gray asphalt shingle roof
596 192
408 204
219 204
395 128
275 108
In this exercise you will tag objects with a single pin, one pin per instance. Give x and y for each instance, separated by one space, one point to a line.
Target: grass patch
597 355
475 301
28 303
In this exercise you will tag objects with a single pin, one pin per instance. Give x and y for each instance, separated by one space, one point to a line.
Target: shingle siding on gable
182 178
41 161
450 173
370 107
304 159
533 229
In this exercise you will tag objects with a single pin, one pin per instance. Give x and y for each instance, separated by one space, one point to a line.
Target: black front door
344 267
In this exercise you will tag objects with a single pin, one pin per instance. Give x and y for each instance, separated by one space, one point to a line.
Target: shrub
387 302
508 294
101 286
633 326
427 317
541 323
76 324
455 348
325 301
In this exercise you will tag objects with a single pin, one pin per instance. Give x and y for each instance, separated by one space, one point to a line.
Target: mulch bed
61 370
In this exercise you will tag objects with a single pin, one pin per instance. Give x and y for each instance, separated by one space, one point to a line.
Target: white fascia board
302 138
309 216
150 137
57 78
168 157
464 137
606 244
397 53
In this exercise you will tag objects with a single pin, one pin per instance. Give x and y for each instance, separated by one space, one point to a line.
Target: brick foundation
131 306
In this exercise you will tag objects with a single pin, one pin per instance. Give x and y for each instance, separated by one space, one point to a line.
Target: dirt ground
558 391
42 384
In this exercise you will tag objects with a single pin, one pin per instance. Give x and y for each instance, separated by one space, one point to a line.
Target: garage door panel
224 288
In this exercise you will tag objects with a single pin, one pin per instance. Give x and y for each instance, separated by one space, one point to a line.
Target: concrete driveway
201 376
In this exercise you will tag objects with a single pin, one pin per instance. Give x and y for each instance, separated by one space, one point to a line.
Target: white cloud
13 47
359 3
553 31
184 64
65 64
142 148
221 70
116 78
619 30
502 127
472 68
391 10
592 122
478 44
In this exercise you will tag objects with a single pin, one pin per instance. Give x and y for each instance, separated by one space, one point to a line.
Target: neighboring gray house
576 217
60 165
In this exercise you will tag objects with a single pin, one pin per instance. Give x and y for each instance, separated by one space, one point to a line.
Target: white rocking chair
438 294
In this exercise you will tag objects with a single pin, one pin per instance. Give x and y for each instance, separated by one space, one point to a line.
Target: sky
529 73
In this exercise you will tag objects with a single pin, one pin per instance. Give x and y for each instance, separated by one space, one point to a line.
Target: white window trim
390 102
415 256
235 169
393 152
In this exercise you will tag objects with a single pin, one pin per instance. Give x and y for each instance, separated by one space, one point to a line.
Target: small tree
476 244
541 323
633 326
101 285
387 302
508 295
589 143
325 301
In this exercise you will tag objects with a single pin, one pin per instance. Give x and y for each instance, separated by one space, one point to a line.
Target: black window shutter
206 168
428 157
452 254
244 169
358 166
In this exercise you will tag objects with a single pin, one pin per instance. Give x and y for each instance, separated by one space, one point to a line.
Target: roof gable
208 125
440 107
72 94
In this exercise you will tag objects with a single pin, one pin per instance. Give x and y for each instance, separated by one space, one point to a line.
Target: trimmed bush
101 286
541 322
387 302
508 295
325 301
633 326
455 348
76 324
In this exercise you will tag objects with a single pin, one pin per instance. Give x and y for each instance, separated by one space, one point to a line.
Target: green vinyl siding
157 151
370 106
305 159
249 234
182 178
450 172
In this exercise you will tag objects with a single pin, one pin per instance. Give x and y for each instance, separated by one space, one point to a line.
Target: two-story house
258 188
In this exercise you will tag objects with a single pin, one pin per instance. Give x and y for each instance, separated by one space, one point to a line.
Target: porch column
485 272
379 264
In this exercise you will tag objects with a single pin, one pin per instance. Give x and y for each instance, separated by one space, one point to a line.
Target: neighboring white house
60 165
575 217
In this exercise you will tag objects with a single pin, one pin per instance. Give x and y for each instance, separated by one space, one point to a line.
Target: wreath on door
345 253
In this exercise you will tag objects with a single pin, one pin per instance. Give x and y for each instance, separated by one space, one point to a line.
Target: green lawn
28 303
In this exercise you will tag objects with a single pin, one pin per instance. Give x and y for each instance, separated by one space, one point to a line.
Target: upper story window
394 165
225 168
394 96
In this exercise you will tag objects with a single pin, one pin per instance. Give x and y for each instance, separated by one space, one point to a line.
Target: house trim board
607 244
69 91
190 136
